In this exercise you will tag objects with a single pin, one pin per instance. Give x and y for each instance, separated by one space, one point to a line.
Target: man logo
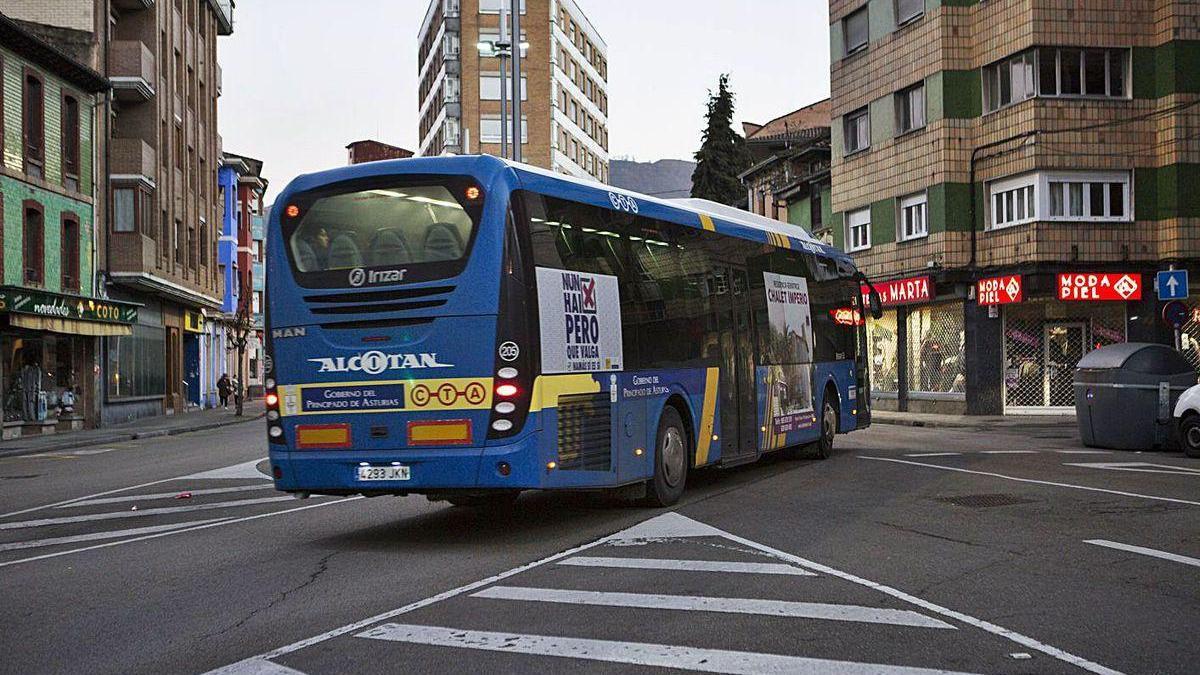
357 276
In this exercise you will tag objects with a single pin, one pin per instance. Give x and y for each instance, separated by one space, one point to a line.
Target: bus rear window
424 229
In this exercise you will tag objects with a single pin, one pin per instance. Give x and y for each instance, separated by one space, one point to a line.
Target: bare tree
237 333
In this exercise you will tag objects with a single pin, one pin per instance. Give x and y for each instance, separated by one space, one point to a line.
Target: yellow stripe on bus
707 223
547 389
707 416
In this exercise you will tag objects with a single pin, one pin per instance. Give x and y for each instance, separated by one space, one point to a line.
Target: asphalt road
911 550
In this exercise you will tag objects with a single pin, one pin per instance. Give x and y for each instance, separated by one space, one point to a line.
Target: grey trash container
1125 393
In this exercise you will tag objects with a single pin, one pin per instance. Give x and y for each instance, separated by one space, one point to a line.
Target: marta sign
1088 286
999 290
901 291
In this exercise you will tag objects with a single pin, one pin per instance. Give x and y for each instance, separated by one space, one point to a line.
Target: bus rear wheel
671 452
822 448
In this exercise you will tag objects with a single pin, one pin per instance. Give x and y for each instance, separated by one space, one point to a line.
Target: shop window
936 361
914 222
33 120
33 242
69 258
858 230
135 363
882 352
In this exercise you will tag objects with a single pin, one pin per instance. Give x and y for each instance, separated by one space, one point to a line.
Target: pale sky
302 78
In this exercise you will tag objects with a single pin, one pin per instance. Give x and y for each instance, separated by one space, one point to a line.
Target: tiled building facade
1017 140
564 71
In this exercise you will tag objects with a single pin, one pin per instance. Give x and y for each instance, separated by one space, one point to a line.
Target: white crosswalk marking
96 536
165 495
138 514
795 610
634 653
258 667
686 565
1173 557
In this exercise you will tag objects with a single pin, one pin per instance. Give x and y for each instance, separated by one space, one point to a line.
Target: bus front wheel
671 455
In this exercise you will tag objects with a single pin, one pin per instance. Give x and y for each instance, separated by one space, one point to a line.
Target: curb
126 436
984 426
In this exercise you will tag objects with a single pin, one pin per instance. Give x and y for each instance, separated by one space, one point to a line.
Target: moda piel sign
54 305
901 291
1093 286
1000 290
580 316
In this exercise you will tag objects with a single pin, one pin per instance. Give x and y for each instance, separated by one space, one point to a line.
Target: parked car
1187 421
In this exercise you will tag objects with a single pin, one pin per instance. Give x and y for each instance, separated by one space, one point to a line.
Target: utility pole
503 86
516 78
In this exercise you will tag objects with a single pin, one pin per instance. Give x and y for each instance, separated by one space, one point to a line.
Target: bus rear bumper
512 466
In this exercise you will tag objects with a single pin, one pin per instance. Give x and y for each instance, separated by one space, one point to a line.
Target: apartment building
51 315
564 84
1012 173
369 150
241 260
789 180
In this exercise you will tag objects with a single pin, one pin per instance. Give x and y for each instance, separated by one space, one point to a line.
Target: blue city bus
468 327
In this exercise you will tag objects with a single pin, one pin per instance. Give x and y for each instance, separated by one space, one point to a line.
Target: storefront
49 373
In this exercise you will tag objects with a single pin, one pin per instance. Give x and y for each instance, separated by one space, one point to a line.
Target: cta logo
376 362
359 276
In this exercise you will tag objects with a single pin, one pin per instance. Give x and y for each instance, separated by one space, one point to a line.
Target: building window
1102 196
489 87
858 229
936 355
33 119
204 244
180 251
191 247
908 10
1013 201
857 131
1009 81
493 6
914 222
1083 72
854 28
33 242
910 109
69 263
124 210
489 129
70 141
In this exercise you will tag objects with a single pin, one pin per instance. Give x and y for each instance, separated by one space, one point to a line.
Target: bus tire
822 448
671 453
500 501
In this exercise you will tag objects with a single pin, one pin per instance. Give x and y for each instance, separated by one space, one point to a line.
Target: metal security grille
935 349
584 432
1043 342
1189 337
882 348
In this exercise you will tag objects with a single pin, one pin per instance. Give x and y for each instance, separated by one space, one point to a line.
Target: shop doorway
191 368
1065 343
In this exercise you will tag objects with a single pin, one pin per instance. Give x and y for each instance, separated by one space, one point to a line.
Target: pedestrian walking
224 387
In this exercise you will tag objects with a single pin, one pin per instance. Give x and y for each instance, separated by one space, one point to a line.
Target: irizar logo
376 362
360 276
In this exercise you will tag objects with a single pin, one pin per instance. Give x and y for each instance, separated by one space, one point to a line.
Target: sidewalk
1058 424
150 427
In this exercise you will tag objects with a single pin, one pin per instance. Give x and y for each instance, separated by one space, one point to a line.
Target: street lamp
503 48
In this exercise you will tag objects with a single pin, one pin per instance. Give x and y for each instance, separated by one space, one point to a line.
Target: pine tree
722 154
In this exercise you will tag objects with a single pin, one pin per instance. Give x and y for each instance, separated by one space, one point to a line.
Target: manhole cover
984 501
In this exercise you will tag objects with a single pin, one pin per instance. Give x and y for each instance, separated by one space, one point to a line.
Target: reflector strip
439 432
323 436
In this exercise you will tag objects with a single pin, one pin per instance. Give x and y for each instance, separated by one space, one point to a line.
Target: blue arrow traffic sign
1172 285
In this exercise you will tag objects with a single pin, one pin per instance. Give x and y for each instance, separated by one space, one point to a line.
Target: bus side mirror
876 304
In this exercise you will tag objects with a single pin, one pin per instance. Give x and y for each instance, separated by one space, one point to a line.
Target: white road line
228 521
933 454
112 534
631 653
1008 452
1083 452
1138 467
259 667
166 495
1033 481
692 603
1173 557
115 491
686 565
138 514
243 470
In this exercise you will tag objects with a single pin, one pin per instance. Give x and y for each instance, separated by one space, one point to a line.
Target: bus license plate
384 473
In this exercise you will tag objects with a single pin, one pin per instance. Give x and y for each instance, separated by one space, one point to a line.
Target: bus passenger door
739 413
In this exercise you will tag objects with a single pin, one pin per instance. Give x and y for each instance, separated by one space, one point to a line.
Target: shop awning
69 326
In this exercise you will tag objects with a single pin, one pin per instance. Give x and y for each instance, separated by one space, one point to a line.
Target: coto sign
901 291
1088 287
1000 290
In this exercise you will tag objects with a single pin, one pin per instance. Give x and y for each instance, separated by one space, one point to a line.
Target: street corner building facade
1012 175
241 256
564 84
51 314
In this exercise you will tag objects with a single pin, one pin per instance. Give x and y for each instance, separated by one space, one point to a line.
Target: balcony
133 160
132 5
224 10
132 66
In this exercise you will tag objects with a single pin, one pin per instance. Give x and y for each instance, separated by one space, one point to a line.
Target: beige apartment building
1012 174
564 105
158 157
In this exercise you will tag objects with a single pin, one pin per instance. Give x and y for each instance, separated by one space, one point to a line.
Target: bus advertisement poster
580 317
788 348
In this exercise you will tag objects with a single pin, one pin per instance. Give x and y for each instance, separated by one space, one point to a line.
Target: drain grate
984 501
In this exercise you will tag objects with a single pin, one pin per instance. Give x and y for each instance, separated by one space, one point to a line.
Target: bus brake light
506 390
